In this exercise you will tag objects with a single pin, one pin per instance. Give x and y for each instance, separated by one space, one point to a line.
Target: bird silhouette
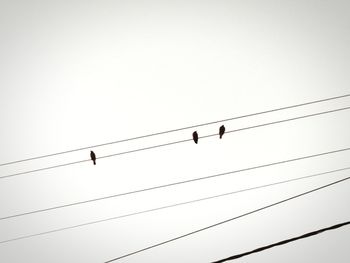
221 131
93 157
195 137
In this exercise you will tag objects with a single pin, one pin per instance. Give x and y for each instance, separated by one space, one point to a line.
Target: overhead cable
177 129
227 220
172 143
283 242
170 206
175 183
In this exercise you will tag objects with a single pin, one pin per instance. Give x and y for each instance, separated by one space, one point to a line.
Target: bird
195 137
221 131
93 157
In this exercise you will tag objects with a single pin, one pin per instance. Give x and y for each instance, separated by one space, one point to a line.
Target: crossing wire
171 206
177 142
283 242
178 129
176 183
227 220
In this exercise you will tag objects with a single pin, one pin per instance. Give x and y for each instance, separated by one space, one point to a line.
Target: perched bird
195 137
221 131
93 157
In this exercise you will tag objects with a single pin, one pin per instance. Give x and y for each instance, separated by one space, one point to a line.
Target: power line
170 206
227 220
175 130
176 142
317 232
175 183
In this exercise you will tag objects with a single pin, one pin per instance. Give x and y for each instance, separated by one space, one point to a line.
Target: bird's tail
94 162
220 136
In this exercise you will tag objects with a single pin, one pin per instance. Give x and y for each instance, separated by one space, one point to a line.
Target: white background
79 73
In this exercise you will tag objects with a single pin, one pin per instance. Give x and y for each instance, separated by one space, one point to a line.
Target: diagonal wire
178 129
227 220
175 183
313 233
172 205
177 142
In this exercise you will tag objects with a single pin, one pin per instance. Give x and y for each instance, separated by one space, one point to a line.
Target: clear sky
79 73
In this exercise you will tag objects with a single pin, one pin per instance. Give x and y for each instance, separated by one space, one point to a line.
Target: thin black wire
175 183
178 129
43 169
177 142
171 206
283 242
228 220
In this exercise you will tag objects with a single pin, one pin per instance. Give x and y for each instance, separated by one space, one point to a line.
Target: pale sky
80 73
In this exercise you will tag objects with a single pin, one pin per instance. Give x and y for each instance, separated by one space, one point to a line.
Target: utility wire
176 142
317 232
171 206
178 129
175 183
227 220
